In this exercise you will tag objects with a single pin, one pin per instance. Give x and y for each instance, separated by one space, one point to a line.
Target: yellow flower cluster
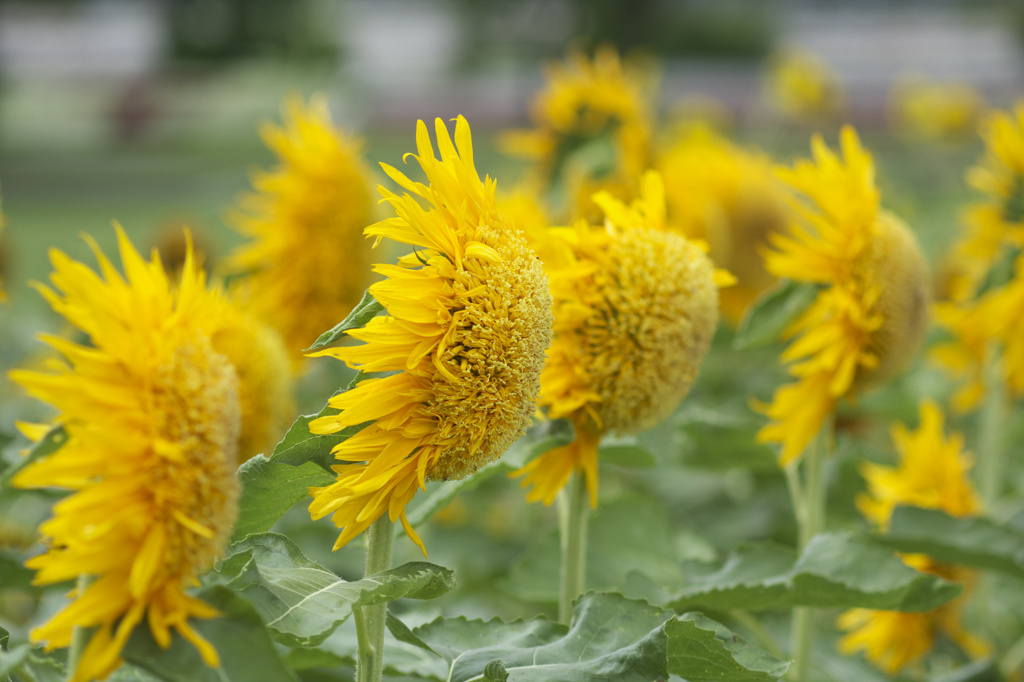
932 473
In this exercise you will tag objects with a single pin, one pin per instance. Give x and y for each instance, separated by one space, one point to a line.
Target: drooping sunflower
635 308
996 224
468 322
870 314
592 129
307 263
932 473
151 414
730 198
981 328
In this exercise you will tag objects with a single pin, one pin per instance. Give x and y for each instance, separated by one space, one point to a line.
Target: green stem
370 620
991 450
79 636
574 548
1013 659
810 521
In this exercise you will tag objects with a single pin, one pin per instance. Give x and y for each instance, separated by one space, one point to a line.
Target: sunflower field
629 392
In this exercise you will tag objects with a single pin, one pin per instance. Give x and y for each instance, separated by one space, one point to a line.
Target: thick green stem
370 620
79 636
991 444
810 514
574 547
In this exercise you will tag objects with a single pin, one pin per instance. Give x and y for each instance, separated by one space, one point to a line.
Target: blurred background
147 111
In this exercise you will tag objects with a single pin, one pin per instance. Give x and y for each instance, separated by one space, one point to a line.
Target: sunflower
995 225
932 474
731 199
468 321
870 314
151 415
932 110
635 308
801 86
592 131
981 327
307 263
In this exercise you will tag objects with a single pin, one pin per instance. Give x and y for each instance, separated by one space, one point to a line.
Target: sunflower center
193 483
492 358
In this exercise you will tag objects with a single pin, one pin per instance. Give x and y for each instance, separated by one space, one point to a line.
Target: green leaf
11 660
300 446
772 312
836 570
702 650
13 573
245 649
537 440
49 444
977 542
365 310
611 638
984 670
720 439
269 489
302 602
5 637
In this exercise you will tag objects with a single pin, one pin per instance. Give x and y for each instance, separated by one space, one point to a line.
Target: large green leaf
49 444
772 312
611 638
245 649
365 310
703 650
302 602
300 446
271 488
836 570
975 542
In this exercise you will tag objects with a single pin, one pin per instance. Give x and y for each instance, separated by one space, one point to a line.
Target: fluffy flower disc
469 320
870 315
635 311
151 414
308 262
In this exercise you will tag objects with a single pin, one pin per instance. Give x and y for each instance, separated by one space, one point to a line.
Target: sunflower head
932 110
802 86
308 263
468 322
635 309
152 418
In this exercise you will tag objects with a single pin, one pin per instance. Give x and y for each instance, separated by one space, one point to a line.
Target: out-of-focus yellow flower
151 414
635 308
308 263
932 474
934 111
592 129
802 86
729 198
997 223
981 328
468 321
871 312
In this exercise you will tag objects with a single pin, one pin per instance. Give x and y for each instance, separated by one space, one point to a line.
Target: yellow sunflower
932 474
151 415
980 328
468 321
870 313
308 262
635 308
592 131
996 224
801 86
932 110
731 199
